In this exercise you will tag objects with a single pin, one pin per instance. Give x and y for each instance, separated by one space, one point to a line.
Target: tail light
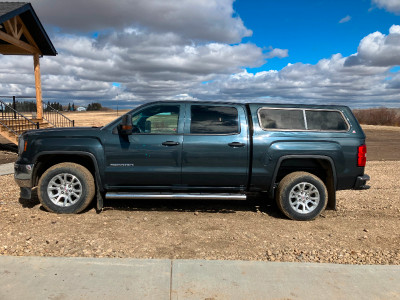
361 156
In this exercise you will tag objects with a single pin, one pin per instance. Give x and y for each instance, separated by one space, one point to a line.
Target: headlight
21 145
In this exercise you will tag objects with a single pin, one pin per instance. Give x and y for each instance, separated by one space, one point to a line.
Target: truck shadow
255 205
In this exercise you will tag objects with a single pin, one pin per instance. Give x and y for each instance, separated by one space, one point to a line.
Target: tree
94 106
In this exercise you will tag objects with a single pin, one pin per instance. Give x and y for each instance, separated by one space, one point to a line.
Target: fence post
14 107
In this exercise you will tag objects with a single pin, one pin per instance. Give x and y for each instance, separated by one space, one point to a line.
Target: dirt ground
364 229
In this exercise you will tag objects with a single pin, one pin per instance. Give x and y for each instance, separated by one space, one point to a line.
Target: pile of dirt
364 229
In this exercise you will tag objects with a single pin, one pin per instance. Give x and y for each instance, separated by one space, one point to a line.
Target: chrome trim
180 196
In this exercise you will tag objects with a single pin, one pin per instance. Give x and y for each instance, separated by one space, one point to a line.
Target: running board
191 196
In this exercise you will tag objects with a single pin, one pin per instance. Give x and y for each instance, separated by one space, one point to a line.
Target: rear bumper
361 182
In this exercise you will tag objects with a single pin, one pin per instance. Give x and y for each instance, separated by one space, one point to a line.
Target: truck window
214 120
325 120
160 119
292 119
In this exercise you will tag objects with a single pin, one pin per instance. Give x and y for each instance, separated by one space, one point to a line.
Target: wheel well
46 161
320 167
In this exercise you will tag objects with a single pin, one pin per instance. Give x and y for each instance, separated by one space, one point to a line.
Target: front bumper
23 177
361 182
23 174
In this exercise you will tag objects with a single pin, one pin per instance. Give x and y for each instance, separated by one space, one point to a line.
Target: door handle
236 144
170 143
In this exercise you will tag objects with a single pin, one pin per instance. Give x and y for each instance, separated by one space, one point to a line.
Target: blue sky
134 51
310 29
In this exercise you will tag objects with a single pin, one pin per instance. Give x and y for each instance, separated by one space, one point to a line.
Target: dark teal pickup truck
299 155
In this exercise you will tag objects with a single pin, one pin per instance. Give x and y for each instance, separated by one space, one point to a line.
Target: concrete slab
6 169
83 278
102 278
268 280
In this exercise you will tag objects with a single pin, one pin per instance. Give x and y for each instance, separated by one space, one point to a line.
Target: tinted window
325 120
282 119
214 120
162 119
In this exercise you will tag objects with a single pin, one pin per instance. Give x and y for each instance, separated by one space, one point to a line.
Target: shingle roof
25 10
9 7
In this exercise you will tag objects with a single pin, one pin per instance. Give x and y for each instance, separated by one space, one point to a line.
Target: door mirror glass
126 128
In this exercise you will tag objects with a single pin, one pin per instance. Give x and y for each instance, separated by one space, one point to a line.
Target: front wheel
301 196
66 188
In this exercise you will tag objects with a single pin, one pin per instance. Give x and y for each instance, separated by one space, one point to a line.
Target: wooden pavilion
21 33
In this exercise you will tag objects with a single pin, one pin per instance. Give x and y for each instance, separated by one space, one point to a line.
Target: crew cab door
215 146
151 156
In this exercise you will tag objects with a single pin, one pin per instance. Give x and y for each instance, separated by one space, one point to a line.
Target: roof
26 12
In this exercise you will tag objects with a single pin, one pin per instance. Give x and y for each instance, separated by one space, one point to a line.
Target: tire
66 188
301 196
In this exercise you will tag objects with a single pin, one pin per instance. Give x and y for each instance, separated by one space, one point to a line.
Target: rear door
215 148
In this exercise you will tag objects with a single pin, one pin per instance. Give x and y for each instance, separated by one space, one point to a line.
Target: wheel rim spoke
304 198
64 189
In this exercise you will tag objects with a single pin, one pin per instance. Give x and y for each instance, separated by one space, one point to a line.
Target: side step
191 196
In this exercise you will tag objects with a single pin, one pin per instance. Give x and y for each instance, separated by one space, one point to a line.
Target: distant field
94 118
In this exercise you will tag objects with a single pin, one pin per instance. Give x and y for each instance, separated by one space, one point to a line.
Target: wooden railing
14 121
55 118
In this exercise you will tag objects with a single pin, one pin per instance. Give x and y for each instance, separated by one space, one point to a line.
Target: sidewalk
102 278
6 169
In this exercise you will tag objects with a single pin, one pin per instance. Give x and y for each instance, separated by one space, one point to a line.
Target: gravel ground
364 229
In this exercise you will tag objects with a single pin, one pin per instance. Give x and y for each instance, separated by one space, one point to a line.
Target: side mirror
126 126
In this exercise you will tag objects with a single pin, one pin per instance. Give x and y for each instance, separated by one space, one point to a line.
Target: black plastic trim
281 159
84 153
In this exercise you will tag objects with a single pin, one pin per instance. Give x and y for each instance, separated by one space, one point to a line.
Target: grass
93 118
378 116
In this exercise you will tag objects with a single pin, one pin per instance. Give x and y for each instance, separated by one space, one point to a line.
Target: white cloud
392 6
378 49
281 53
155 63
345 19
328 82
210 20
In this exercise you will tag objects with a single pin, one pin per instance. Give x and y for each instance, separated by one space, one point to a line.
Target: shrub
378 116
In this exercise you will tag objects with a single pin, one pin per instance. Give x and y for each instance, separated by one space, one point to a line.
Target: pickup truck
299 155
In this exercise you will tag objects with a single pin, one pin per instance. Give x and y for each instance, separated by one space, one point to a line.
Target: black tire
66 188
301 196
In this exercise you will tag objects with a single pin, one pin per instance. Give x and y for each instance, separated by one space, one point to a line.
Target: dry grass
378 116
94 118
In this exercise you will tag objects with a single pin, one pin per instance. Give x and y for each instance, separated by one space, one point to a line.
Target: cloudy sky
133 51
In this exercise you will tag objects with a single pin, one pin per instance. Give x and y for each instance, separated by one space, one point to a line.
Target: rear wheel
66 188
301 196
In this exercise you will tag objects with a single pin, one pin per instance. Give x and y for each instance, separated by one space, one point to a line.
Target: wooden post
38 85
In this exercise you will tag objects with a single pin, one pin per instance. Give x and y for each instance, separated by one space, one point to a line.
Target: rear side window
325 120
282 119
214 120
302 119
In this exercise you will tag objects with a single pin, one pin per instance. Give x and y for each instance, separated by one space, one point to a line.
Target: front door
215 146
151 156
